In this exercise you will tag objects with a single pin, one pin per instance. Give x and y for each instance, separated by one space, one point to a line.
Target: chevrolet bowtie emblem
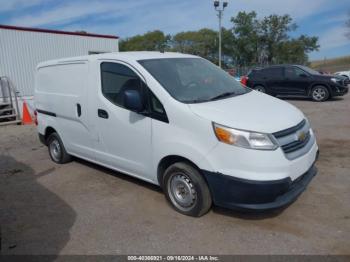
301 136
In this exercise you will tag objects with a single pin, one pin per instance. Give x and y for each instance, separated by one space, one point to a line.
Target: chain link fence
239 71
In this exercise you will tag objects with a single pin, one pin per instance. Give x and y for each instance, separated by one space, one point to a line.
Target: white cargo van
177 121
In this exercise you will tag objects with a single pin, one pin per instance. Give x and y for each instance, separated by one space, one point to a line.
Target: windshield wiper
195 101
223 95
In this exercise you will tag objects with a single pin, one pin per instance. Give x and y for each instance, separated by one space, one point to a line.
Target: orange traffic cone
26 117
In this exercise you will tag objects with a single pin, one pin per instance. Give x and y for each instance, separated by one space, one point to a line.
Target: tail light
244 80
36 117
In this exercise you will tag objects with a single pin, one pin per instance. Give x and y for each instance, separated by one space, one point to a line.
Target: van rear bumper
235 193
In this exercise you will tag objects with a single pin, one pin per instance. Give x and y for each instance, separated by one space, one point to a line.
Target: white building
21 49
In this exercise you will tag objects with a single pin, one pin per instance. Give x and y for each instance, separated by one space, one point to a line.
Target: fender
182 150
316 84
45 122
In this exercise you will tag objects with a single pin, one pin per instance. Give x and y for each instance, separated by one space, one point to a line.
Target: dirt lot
81 208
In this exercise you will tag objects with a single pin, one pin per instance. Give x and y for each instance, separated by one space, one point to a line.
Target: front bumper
235 193
339 90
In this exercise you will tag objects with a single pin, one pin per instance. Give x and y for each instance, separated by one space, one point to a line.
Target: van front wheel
57 151
186 189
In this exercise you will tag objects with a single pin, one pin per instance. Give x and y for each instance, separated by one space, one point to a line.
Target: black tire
190 185
56 149
260 88
319 93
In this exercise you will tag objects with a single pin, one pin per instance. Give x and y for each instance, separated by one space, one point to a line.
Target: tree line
249 41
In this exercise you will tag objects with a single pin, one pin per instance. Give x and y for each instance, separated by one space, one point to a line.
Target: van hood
253 111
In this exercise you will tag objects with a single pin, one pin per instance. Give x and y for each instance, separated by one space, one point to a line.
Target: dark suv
296 80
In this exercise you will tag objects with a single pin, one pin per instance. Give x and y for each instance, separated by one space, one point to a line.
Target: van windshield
193 80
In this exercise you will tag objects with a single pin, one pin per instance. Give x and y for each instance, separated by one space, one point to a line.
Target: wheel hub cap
182 192
319 94
55 150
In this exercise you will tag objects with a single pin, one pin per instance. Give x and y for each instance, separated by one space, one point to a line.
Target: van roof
136 55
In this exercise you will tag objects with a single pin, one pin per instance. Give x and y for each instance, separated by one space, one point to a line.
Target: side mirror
133 100
303 75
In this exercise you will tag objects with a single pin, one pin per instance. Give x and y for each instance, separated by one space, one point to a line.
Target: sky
322 18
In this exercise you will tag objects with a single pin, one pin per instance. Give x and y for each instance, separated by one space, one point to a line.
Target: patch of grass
332 65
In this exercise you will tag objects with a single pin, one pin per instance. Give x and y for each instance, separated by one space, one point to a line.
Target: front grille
295 141
293 146
290 130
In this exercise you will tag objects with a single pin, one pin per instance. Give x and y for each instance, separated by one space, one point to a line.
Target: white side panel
61 89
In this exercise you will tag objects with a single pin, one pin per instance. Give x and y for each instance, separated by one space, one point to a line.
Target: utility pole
220 9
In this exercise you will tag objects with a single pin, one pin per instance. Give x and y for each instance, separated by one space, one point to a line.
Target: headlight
334 80
246 139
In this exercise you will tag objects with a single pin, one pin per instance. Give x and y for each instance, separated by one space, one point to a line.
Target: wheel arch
259 84
264 85
166 161
48 131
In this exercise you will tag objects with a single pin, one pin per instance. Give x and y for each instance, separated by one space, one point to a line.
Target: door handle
102 113
79 110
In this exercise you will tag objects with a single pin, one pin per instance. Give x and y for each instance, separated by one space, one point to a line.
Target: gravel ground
81 208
